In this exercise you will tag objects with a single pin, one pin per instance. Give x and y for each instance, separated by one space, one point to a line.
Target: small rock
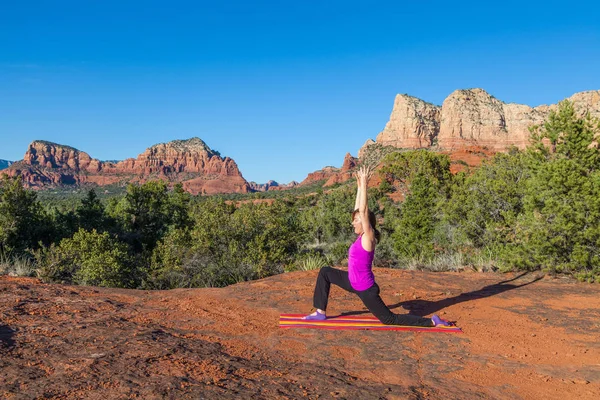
580 381
533 335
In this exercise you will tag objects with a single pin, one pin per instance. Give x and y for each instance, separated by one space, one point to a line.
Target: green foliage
484 206
88 258
227 244
559 229
374 153
532 209
23 223
144 213
147 212
337 252
400 168
90 213
20 265
413 232
409 231
537 209
311 261
328 217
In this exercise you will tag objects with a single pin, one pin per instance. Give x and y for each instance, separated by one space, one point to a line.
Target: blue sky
284 88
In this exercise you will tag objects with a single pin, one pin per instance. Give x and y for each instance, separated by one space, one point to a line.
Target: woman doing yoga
359 278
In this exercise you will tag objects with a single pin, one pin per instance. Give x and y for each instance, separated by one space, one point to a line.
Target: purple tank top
360 262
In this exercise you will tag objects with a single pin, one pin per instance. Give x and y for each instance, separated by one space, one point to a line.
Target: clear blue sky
282 87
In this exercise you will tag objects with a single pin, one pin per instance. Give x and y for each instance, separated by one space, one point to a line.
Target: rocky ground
525 337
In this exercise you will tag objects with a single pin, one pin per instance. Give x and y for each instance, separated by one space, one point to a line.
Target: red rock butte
191 162
469 118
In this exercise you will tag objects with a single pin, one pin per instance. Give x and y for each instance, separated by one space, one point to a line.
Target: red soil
530 338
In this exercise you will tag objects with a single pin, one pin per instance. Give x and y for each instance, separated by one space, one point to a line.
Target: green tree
143 213
23 223
413 233
227 244
400 168
558 229
483 207
91 214
179 205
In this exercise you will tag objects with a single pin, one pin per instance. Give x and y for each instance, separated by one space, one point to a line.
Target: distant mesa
200 169
5 164
271 185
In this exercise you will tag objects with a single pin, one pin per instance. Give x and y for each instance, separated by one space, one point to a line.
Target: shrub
88 258
311 261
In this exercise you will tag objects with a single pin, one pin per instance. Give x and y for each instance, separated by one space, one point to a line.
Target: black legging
370 298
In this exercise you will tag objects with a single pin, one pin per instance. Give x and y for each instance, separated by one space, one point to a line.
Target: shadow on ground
426 307
6 336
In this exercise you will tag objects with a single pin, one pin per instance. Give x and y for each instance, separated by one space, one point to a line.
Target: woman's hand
364 173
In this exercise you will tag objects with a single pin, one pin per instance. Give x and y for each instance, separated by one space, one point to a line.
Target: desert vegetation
536 209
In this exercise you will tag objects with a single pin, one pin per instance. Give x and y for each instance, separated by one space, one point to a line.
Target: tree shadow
427 307
6 336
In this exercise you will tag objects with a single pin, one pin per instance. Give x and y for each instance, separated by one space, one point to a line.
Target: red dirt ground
525 337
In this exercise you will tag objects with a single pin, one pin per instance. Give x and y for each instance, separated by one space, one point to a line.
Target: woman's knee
324 270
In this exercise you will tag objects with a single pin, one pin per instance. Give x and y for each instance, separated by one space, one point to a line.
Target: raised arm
368 237
357 202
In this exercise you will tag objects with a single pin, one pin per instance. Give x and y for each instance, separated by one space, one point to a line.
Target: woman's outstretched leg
378 308
327 276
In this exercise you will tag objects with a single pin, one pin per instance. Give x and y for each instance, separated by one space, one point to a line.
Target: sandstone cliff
468 118
413 123
192 162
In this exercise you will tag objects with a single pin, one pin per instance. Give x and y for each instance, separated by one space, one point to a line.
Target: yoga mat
353 322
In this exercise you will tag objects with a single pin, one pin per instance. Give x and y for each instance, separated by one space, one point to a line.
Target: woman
359 278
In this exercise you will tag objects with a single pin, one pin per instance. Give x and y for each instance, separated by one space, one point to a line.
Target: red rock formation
290 185
474 117
413 124
333 175
469 118
189 161
345 174
349 163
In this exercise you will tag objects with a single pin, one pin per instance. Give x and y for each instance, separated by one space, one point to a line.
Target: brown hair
372 222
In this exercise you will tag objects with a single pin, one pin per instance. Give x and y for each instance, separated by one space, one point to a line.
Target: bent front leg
327 276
